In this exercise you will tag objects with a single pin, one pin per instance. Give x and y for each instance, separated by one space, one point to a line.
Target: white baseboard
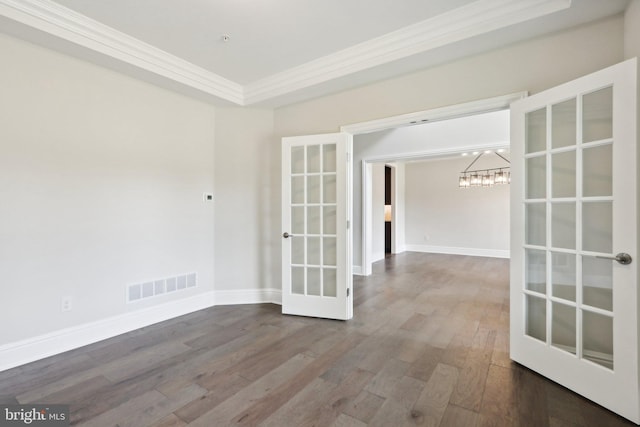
377 256
400 249
492 253
249 296
36 348
357 270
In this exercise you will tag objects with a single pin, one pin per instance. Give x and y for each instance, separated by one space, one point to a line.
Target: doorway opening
425 209
397 155
388 207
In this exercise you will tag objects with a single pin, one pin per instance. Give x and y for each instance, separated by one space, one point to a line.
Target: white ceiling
284 51
266 37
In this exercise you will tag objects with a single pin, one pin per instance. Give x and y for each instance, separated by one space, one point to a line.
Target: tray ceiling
284 51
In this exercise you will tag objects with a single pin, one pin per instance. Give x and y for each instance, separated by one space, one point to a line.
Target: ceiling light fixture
485 177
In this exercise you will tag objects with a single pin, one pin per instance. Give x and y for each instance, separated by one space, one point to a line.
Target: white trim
249 296
434 154
476 18
357 270
468 21
36 348
378 256
367 219
491 253
443 113
62 22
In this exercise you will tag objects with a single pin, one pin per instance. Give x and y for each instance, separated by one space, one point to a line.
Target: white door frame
443 113
397 214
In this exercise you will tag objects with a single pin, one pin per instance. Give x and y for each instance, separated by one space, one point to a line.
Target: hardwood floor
428 346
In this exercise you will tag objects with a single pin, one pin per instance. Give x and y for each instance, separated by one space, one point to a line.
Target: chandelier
485 177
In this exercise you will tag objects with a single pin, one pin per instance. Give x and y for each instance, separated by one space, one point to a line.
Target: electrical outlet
66 304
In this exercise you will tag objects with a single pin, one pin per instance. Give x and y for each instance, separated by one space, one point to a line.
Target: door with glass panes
316 213
574 299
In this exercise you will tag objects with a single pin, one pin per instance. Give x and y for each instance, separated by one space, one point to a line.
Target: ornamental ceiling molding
474 19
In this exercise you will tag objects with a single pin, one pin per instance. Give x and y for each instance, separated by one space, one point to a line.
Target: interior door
574 298
316 216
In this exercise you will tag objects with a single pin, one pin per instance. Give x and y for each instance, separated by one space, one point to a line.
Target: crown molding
57 20
442 113
479 17
474 19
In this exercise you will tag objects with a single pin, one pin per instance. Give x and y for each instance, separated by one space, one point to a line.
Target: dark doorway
387 216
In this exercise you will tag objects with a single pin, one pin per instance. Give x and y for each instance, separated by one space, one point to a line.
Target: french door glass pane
297 280
563 225
536 317
297 189
597 340
313 220
597 232
297 250
329 158
597 122
329 251
297 159
329 188
329 282
313 250
329 220
563 327
536 224
536 133
597 282
313 159
563 275
536 270
598 171
536 170
563 124
297 220
313 281
313 189
563 174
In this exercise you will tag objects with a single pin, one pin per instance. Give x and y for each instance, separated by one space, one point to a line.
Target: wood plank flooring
428 346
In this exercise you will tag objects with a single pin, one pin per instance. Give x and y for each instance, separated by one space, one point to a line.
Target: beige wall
632 30
102 179
440 216
244 200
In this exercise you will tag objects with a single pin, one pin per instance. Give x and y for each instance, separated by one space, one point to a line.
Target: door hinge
348 292
348 157
348 224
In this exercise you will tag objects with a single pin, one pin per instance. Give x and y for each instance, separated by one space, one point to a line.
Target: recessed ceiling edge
476 18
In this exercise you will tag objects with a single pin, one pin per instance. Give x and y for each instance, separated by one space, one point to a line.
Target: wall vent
154 288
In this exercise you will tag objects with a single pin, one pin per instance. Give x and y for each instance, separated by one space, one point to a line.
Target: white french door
574 296
316 213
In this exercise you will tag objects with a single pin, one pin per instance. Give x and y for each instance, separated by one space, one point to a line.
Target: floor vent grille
153 288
